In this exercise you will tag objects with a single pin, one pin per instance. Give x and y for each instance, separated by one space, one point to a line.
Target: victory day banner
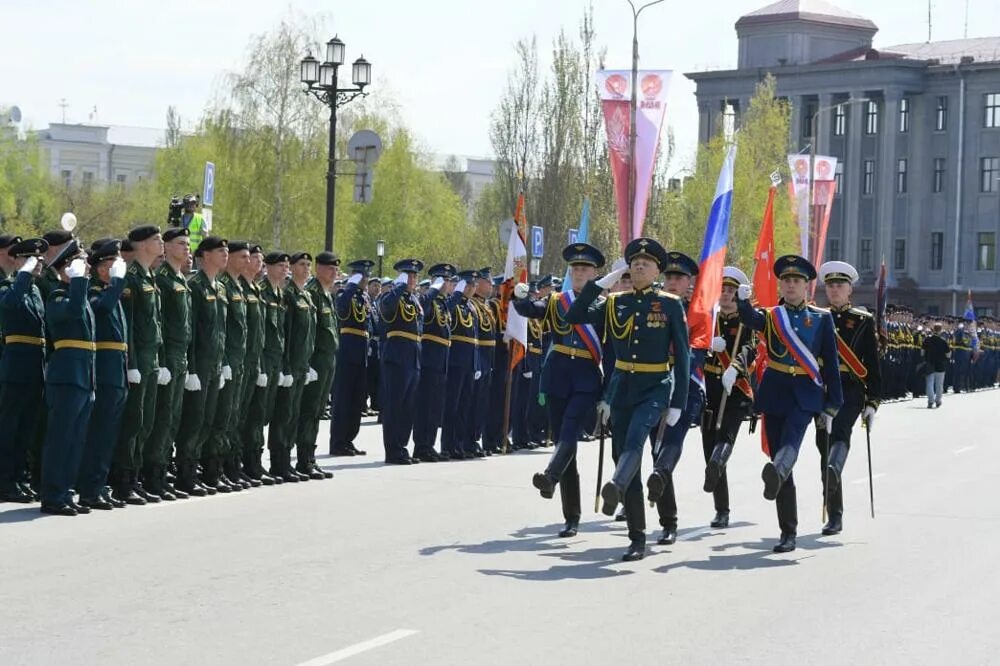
615 89
812 240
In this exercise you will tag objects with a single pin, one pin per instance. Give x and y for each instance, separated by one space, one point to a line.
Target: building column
798 105
886 170
704 121
824 123
851 196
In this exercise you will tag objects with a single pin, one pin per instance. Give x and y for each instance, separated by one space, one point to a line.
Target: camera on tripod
179 206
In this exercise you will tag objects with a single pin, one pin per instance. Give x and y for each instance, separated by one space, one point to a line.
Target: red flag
765 288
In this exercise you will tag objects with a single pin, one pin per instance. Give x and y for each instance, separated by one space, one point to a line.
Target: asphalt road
457 563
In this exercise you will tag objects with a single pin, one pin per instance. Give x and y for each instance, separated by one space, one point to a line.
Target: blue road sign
572 236
208 188
537 241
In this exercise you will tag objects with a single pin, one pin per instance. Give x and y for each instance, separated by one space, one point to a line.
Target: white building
86 154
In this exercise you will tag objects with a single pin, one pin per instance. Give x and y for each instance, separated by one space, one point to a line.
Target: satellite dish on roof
15 114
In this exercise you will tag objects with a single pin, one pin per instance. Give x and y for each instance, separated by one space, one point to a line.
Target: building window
120 179
939 174
986 254
839 120
989 172
728 120
937 250
838 178
993 110
941 116
901 176
88 179
899 255
904 115
868 186
67 177
871 117
834 250
866 254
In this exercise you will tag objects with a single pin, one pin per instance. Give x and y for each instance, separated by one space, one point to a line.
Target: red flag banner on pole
765 288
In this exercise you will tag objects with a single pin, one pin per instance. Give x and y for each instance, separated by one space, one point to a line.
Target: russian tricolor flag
701 313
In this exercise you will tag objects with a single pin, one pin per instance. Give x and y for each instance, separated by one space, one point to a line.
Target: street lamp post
380 252
321 82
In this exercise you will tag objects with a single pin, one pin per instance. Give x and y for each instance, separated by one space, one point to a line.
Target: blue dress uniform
527 376
435 347
21 365
351 377
403 318
463 367
571 383
644 325
661 482
788 397
489 334
69 386
494 436
112 389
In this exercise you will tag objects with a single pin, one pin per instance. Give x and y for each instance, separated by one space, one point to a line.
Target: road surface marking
864 479
964 449
358 648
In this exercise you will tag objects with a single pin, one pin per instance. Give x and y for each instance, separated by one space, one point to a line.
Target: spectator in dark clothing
936 353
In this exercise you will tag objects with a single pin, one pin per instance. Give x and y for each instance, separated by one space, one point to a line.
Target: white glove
222 382
134 376
744 291
29 265
610 279
284 381
118 268
520 290
76 269
718 344
869 417
163 376
400 279
262 380
673 416
475 377
828 423
437 284
460 287
355 279
603 412
528 375
227 372
192 383
312 376
729 379
620 264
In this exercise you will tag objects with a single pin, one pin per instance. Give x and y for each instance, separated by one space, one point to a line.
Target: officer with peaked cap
6 261
860 377
21 365
489 334
801 381
350 383
463 370
435 346
494 436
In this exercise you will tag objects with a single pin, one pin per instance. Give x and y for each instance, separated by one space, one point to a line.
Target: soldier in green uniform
175 307
21 377
7 262
300 337
106 286
141 301
204 371
255 379
316 395
273 358
227 417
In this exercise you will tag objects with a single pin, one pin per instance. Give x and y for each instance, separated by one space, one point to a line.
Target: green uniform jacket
208 324
141 300
300 328
175 306
255 326
236 322
327 336
274 324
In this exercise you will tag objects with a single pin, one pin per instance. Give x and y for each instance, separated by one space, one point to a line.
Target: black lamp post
380 252
321 82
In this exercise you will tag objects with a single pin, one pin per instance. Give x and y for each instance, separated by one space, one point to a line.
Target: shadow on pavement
761 556
28 513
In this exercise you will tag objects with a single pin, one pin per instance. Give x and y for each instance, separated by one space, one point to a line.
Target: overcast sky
444 61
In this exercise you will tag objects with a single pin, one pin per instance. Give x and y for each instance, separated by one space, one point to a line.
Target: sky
443 63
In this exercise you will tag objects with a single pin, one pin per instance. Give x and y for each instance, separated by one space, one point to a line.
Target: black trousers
350 390
429 415
19 408
398 404
737 408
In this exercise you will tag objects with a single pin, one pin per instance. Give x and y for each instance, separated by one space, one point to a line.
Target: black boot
187 480
786 544
717 465
613 491
561 458
721 520
570 529
636 551
669 536
833 480
661 480
776 471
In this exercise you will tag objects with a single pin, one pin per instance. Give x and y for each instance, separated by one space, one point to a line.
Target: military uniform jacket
255 325
71 328
464 351
643 325
857 346
784 376
353 316
489 329
110 330
48 282
436 342
273 308
403 322
568 366
175 309
236 321
300 328
727 326
141 300
23 312
208 324
327 337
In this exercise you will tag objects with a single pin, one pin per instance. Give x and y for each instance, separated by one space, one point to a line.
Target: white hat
838 270
734 274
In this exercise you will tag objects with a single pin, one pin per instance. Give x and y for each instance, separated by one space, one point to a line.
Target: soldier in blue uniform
524 392
350 381
463 370
680 272
571 377
801 382
435 348
644 326
21 364
494 436
106 286
403 318
69 381
373 384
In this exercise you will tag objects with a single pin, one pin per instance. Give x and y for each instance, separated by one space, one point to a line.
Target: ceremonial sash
793 343
851 359
698 377
741 383
587 332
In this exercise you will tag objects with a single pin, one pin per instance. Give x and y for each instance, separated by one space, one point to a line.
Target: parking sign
208 188
537 241
572 236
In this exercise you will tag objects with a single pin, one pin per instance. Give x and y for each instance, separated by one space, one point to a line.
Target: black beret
175 232
327 258
57 237
6 240
99 242
299 256
255 248
275 257
66 255
143 232
210 243
30 247
238 246
127 245
106 250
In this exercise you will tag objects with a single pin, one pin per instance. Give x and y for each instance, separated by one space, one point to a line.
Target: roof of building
145 137
949 52
817 11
